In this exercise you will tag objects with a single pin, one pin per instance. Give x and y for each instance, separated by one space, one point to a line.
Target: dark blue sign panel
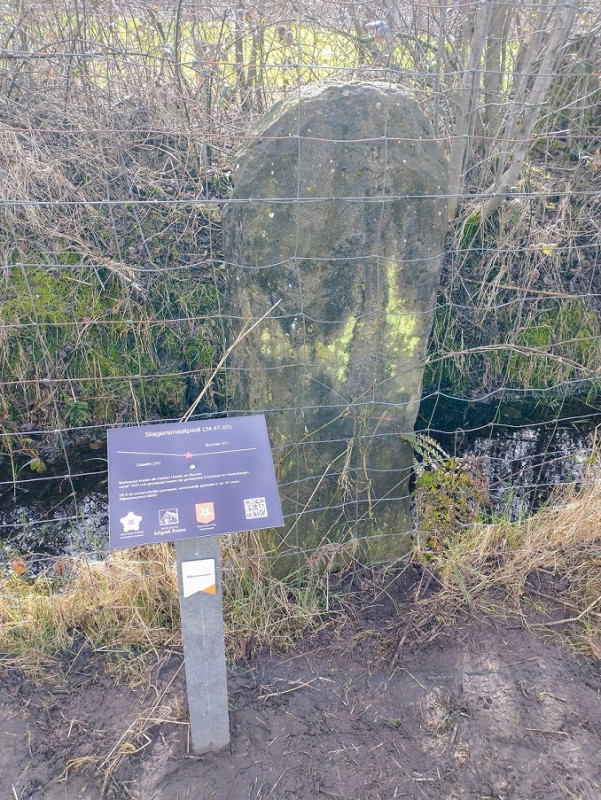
181 480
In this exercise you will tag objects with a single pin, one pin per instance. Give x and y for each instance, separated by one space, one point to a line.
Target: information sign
189 482
173 481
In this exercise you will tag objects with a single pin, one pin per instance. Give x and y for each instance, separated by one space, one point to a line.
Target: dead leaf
19 566
60 569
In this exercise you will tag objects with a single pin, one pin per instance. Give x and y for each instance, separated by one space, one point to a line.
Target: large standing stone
338 212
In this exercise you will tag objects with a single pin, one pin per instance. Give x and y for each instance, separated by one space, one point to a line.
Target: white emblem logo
131 522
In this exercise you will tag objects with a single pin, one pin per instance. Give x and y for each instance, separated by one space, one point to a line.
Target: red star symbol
188 454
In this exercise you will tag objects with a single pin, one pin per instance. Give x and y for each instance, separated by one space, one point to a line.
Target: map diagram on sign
181 480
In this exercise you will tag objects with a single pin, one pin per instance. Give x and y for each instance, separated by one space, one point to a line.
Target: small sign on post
190 482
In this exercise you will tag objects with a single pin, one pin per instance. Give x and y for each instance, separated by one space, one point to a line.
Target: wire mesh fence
120 128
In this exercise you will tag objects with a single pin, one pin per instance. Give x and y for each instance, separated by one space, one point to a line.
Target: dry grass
262 609
549 564
129 602
128 605
164 709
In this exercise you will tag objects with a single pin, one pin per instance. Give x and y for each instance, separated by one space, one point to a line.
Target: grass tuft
550 561
129 602
263 610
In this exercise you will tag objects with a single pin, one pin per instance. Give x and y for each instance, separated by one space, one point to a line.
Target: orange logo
205 513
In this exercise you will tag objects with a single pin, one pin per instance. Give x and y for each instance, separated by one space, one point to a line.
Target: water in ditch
525 453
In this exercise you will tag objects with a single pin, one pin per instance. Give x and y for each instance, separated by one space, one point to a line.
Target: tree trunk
467 107
494 67
553 49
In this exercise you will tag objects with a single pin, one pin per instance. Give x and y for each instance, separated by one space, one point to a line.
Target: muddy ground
488 710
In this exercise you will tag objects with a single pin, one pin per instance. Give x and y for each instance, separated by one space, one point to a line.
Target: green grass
84 328
555 342
490 567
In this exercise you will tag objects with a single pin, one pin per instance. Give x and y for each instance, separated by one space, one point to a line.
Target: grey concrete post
204 650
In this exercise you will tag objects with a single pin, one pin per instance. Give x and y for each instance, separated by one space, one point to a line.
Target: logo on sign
168 516
131 522
205 513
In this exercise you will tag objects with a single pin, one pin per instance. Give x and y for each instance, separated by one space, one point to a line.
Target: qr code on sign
255 507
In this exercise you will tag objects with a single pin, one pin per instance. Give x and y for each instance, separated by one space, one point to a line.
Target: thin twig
543 730
571 619
399 646
559 600
301 685
242 335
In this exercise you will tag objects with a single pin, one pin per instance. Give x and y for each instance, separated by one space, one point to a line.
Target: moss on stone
336 354
401 326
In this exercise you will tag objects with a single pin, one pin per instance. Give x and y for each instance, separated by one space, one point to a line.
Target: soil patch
488 710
